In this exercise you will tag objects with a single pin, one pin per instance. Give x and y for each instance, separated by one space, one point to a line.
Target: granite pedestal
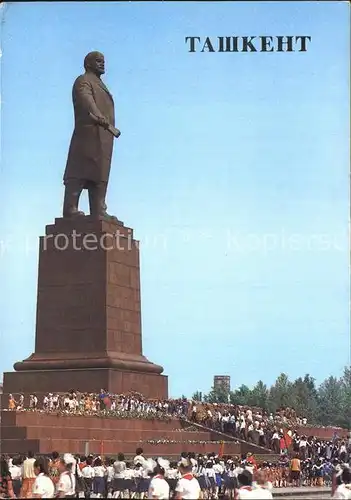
88 324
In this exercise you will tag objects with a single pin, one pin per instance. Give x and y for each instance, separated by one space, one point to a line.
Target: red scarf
188 476
251 460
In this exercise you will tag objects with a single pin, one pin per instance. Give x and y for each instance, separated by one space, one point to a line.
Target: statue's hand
103 122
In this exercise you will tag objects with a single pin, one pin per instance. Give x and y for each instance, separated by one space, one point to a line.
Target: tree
304 398
346 398
241 396
300 397
259 395
312 409
217 395
331 402
197 396
328 404
280 394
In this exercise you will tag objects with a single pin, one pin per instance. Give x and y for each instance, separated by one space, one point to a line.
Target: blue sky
231 168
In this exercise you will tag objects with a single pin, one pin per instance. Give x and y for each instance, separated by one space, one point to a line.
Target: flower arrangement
118 414
190 441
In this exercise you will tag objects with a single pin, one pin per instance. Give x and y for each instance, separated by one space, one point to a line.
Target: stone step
38 432
219 435
75 446
44 419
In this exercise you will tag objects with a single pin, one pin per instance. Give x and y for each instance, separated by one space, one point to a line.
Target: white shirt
43 486
88 472
139 459
33 401
119 468
209 472
245 493
188 488
67 483
237 471
159 488
218 469
28 468
99 471
137 473
343 492
172 474
110 473
268 486
16 472
73 403
128 474
261 493
250 468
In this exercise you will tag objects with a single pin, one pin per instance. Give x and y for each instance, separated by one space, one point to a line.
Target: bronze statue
90 153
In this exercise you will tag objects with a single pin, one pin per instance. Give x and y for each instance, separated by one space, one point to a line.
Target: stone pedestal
88 325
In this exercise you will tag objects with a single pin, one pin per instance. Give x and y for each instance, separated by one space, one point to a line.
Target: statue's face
97 64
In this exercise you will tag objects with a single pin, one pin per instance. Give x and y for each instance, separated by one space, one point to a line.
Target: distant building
221 381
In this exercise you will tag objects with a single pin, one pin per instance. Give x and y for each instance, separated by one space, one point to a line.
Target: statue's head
95 63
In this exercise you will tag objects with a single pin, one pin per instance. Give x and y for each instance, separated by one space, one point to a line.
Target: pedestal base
150 385
86 360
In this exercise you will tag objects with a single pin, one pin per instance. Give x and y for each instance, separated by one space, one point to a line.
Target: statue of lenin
90 153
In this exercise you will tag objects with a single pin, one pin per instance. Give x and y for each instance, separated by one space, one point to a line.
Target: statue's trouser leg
97 194
73 190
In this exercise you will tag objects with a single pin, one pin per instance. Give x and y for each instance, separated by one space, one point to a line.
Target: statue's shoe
111 218
73 213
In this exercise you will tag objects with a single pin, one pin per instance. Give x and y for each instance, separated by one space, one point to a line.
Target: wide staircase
261 453
44 432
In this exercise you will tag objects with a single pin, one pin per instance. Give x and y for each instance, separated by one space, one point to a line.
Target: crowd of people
303 460
191 477
131 405
253 425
